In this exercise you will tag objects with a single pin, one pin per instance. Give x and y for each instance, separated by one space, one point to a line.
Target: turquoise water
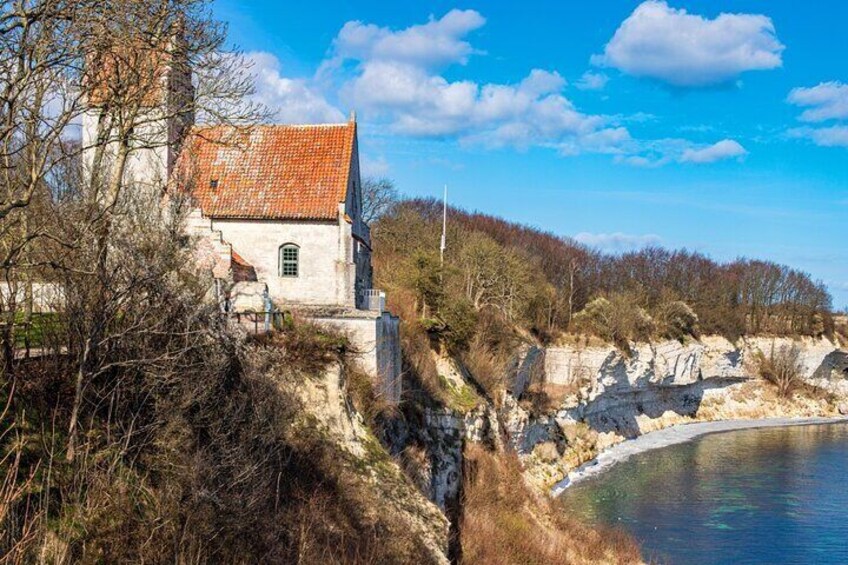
770 496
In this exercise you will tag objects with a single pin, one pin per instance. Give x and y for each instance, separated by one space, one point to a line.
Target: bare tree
378 196
782 367
136 73
143 96
41 50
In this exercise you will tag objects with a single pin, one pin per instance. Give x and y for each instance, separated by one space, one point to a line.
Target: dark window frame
288 260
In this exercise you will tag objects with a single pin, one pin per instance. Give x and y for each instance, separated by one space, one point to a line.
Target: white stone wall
322 276
147 165
377 343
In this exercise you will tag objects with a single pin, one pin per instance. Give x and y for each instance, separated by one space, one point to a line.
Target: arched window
289 260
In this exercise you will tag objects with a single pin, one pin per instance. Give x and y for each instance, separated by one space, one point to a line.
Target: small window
213 184
289 260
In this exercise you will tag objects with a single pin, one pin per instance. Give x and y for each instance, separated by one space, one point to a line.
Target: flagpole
444 227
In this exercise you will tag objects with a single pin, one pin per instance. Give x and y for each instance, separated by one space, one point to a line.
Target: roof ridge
270 126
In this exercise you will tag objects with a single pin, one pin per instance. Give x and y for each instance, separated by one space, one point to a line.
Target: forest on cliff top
551 285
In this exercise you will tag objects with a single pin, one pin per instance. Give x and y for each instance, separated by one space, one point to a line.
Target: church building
288 199
276 216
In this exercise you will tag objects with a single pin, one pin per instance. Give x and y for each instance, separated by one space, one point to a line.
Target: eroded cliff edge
568 402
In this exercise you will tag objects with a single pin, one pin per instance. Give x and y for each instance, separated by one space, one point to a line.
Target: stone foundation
375 338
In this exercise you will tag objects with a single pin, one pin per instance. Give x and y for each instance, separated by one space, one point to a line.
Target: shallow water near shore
776 495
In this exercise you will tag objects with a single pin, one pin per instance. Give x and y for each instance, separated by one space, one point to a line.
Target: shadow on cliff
834 365
617 411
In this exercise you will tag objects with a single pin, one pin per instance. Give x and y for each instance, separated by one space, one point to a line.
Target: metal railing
260 322
374 299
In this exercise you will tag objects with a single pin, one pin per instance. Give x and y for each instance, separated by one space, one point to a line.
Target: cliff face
327 410
604 396
432 437
596 396
671 363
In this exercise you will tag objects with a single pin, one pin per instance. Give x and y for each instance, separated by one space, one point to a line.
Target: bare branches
378 196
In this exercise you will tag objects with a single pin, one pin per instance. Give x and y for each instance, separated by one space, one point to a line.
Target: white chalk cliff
607 396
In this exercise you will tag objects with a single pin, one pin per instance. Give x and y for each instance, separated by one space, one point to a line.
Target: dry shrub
418 365
581 443
215 463
489 370
504 522
544 397
782 368
307 347
580 340
415 462
491 353
373 407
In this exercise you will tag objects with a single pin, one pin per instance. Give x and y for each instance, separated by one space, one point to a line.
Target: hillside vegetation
550 285
139 424
502 287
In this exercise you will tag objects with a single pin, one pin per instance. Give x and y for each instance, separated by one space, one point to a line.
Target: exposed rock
656 386
327 408
843 408
605 369
529 366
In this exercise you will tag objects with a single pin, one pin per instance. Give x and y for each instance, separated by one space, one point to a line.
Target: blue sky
720 126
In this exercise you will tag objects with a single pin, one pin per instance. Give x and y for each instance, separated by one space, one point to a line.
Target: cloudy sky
720 126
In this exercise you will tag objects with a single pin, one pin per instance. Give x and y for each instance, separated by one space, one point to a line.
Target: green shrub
677 320
618 319
459 324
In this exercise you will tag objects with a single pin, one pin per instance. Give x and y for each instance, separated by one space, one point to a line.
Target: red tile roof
270 172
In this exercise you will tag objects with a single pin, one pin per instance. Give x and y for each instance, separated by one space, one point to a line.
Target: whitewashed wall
322 277
377 342
147 165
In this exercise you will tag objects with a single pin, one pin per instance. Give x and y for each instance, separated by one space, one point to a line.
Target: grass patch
461 398
44 328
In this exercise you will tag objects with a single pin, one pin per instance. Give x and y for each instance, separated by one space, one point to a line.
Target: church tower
140 109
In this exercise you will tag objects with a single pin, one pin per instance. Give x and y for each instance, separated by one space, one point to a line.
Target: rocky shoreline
675 435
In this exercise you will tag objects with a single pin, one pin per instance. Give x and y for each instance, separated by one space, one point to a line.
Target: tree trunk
72 426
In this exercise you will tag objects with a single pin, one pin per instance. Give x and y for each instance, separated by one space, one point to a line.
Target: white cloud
724 149
640 161
834 136
394 78
292 100
610 140
825 101
592 81
617 242
659 152
396 81
688 50
438 42
374 167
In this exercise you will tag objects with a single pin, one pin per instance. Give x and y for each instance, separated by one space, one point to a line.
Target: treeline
551 285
